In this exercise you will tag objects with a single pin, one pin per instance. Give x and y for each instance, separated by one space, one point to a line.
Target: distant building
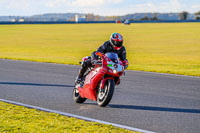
80 18
13 20
21 20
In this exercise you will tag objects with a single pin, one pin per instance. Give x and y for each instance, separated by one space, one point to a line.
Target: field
18 119
158 47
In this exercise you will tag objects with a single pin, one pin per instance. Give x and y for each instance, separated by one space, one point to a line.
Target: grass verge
156 47
19 119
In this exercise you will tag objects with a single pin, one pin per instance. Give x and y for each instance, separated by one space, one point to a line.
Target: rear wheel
105 95
76 96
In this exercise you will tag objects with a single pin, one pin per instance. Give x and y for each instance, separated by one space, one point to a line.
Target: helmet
116 40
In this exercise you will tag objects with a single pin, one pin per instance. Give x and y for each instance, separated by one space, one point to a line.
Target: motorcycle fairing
90 84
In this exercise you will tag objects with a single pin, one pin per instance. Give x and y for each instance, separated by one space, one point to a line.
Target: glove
94 62
125 63
94 56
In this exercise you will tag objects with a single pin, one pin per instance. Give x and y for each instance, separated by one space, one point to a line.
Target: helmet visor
118 43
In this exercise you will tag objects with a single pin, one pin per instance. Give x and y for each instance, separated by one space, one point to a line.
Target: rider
115 44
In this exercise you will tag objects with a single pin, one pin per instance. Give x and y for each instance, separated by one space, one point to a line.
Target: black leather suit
105 48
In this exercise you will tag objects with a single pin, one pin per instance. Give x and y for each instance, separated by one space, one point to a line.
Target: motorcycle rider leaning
115 44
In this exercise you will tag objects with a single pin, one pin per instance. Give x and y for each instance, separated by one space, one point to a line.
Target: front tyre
105 95
76 96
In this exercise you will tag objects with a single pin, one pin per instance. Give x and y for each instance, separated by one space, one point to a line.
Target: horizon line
92 13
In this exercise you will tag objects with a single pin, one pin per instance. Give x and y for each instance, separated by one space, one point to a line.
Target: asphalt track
150 101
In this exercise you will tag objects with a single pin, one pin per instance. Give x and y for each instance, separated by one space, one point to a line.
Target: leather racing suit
105 48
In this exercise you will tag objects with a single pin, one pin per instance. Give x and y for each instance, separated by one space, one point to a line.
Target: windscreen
113 57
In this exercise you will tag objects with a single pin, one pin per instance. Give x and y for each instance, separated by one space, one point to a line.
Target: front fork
103 81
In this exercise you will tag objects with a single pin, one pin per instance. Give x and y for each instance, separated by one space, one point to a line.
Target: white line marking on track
77 116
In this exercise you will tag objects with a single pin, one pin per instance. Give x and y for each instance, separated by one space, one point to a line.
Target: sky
97 7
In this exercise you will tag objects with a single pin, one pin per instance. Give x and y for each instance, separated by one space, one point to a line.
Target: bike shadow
34 84
151 108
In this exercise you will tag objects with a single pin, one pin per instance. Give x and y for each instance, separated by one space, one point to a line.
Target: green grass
18 119
158 47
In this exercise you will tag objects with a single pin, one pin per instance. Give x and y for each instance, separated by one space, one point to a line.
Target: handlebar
99 54
97 62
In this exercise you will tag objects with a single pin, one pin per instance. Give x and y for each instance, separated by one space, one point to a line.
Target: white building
13 20
21 20
80 18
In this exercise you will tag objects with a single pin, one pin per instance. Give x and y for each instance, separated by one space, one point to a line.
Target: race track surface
149 101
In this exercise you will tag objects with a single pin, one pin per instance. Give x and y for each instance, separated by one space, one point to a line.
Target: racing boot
85 65
80 75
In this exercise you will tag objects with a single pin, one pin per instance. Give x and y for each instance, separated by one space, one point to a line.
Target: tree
90 17
111 18
197 15
97 18
183 15
155 16
145 18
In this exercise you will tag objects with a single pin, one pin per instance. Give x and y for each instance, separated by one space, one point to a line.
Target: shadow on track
150 108
34 84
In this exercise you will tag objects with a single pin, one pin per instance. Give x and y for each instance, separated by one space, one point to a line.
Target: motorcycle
99 81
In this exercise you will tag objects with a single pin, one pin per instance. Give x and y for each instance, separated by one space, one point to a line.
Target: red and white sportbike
99 81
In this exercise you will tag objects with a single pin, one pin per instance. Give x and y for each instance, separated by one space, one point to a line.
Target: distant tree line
197 15
182 16
91 17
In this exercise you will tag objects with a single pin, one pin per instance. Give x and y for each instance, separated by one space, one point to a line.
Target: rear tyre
76 96
105 95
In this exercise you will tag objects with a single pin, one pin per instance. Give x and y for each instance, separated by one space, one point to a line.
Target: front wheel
105 95
76 96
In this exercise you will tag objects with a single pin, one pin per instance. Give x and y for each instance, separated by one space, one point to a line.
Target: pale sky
97 7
